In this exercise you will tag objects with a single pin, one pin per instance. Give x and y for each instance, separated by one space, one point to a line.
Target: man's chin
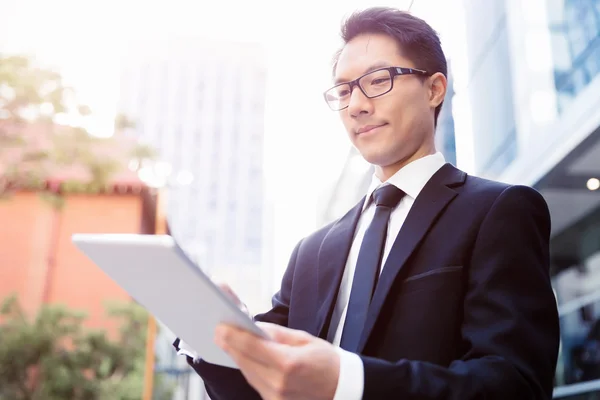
376 158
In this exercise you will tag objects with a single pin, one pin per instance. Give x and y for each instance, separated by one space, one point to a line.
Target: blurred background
205 120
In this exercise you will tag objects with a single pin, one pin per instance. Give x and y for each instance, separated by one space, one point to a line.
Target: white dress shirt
411 179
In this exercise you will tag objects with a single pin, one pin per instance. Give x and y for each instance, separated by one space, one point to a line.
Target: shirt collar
411 178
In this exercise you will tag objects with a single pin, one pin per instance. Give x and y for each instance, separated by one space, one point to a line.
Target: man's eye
343 93
380 81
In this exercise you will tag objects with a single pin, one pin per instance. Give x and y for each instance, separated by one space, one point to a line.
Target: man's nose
359 103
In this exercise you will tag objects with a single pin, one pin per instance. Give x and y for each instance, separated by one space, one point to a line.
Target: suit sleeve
510 324
224 383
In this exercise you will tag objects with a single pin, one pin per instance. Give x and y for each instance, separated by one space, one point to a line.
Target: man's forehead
350 74
366 53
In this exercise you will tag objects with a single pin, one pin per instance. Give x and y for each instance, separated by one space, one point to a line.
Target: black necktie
367 266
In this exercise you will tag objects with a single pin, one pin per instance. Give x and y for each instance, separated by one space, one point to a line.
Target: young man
434 286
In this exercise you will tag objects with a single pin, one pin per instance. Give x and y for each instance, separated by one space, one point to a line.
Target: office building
201 104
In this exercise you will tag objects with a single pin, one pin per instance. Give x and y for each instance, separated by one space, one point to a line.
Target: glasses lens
338 96
376 83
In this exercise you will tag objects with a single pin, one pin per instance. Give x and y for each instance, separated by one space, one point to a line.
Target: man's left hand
292 365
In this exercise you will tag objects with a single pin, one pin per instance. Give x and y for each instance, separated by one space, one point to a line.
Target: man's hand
225 288
293 365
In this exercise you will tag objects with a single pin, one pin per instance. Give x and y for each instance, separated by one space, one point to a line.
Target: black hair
416 39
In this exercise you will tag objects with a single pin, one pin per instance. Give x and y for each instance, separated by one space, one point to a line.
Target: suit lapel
432 200
331 263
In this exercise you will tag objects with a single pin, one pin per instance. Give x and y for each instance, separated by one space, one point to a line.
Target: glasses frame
394 72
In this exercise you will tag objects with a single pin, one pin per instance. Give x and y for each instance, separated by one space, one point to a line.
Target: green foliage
25 88
33 96
143 152
52 357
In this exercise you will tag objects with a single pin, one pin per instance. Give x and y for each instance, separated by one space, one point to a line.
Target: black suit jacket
464 307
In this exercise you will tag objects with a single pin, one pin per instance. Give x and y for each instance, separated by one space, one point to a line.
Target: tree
52 357
34 146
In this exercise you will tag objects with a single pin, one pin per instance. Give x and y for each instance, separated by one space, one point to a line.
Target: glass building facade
575 39
575 31
489 70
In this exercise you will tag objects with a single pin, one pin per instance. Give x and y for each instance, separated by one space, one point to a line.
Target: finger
225 288
284 335
258 376
266 352
229 292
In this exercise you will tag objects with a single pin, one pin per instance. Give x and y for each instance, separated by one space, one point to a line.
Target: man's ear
437 89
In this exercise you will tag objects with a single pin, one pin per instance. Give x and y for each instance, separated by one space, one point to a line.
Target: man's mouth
368 128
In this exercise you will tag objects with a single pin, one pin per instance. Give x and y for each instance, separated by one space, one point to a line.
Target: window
575 27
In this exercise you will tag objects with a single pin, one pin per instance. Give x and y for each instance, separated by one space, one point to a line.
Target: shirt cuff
183 349
351 381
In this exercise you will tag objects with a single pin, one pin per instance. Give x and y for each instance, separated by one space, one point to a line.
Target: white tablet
155 271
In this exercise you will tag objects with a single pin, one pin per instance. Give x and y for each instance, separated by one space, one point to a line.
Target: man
434 286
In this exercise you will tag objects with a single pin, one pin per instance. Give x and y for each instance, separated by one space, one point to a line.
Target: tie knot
388 196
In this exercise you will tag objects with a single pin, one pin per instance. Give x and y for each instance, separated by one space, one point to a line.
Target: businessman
434 286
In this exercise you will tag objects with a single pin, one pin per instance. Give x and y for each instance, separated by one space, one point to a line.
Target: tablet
156 272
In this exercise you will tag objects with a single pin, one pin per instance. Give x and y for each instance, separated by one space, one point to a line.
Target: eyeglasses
373 84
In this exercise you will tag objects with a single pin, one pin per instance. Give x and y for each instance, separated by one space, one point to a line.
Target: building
492 115
356 174
533 83
201 104
39 262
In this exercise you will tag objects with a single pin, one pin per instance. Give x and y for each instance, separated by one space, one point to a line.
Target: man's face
397 127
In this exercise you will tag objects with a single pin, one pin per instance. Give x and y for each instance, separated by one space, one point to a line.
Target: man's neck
384 173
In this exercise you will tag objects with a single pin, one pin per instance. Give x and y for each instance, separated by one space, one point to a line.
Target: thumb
283 335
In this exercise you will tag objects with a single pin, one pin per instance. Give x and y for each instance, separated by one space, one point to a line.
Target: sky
305 144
